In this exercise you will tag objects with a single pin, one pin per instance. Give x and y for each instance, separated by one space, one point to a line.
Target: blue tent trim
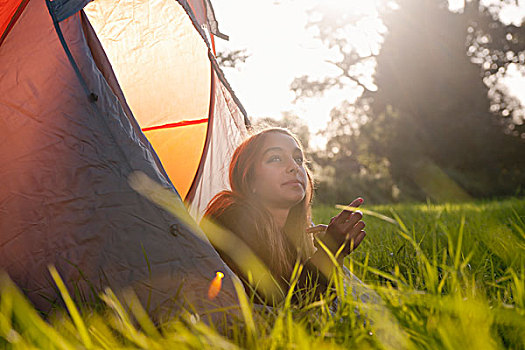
52 8
65 8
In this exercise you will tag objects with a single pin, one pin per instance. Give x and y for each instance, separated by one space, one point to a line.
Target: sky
281 48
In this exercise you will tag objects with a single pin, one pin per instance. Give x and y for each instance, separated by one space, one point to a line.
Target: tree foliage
432 107
499 49
439 121
232 58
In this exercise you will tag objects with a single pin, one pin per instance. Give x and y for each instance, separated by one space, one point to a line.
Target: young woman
268 208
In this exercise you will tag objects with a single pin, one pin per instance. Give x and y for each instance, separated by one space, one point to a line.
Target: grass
447 276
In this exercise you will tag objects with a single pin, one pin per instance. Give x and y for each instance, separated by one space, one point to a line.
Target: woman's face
280 177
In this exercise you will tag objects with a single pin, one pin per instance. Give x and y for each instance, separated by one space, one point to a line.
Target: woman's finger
353 232
353 242
353 219
340 230
359 238
345 214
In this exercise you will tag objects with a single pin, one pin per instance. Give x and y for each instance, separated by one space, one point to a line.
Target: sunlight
456 5
357 7
292 49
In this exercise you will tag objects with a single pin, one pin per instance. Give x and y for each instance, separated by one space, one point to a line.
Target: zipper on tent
92 97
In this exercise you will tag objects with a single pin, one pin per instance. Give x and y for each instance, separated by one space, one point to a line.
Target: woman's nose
292 166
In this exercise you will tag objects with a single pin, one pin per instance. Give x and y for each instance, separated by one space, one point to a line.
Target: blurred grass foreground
450 276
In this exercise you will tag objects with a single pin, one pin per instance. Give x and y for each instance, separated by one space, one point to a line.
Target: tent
89 94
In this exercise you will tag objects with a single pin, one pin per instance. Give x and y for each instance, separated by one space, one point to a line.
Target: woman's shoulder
229 210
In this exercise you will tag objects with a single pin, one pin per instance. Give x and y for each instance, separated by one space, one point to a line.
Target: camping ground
449 276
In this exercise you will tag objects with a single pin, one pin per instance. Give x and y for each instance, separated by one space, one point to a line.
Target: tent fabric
212 22
65 162
198 9
121 34
9 12
205 16
147 54
161 63
8 9
226 133
104 66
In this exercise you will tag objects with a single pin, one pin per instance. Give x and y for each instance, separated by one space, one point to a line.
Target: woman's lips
293 182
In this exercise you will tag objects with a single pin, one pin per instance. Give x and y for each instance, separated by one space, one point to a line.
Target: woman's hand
344 229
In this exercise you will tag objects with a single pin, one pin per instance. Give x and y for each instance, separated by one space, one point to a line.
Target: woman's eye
299 160
274 159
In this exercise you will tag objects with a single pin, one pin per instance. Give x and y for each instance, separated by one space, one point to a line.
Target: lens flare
215 285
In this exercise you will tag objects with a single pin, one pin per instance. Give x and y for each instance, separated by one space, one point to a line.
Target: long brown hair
242 176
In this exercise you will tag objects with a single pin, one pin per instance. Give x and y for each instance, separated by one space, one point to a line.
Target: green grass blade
73 311
246 310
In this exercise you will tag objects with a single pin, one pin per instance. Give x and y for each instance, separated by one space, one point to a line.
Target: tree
498 49
334 30
430 117
346 168
434 103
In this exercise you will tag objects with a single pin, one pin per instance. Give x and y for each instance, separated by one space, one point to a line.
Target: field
447 276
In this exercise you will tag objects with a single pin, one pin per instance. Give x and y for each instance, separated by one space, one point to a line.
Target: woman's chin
295 198
283 199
